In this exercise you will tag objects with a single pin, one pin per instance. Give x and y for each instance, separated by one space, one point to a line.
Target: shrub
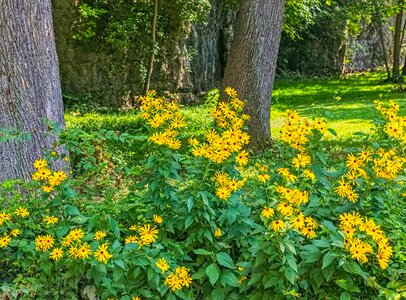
195 217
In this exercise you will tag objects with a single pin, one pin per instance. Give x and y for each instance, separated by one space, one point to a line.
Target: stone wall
108 77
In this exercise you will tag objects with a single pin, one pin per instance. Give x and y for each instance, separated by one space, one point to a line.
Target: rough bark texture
29 82
252 62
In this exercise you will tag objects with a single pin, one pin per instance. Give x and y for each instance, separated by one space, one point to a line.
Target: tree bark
397 46
384 53
30 90
252 62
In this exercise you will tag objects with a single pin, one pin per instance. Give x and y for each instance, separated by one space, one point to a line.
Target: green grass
316 98
311 97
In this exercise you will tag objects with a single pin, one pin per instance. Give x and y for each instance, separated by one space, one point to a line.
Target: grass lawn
312 97
317 98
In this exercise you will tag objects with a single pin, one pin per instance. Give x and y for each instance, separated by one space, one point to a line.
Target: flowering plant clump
197 216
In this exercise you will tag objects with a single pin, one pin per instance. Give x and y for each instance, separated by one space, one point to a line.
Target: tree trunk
252 62
384 53
152 57
397 46
30 90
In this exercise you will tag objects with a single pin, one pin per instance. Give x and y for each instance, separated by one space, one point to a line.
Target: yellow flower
241 279
173 144
15 232
221 178
157 219
132 239
76 234
309 174
21 212
308 232
344 188
223 193
311 223
50 220
67 241
40 164
73 252
147 234
102 254
44 242
43 174
383 261
193 142
134 227
285 209
178 279
98 235
56 253
47 188
83 251
4 217
267 212
301 160
277 225
136 298
263 177
4 241
230 91
162 264
242 158
217 232
298 222
57 178
349 231
353 162
287 174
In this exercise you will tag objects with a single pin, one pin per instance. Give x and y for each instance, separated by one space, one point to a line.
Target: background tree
152 55
29 82
252 62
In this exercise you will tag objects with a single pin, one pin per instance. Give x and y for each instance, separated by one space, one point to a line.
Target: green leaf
189 204
225 260
63 229
291 262
113 225
202 252
290 275
318 277
213 273
218 294
328 259
188 221
120 263
79 220
228 278
72 210
345 296
332 131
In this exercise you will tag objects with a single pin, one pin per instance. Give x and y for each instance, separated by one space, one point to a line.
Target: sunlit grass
346 103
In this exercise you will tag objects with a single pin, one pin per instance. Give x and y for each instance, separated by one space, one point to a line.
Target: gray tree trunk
30 89
252 62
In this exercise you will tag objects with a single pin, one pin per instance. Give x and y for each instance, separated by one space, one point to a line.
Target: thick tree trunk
252 62
397 46
30 89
